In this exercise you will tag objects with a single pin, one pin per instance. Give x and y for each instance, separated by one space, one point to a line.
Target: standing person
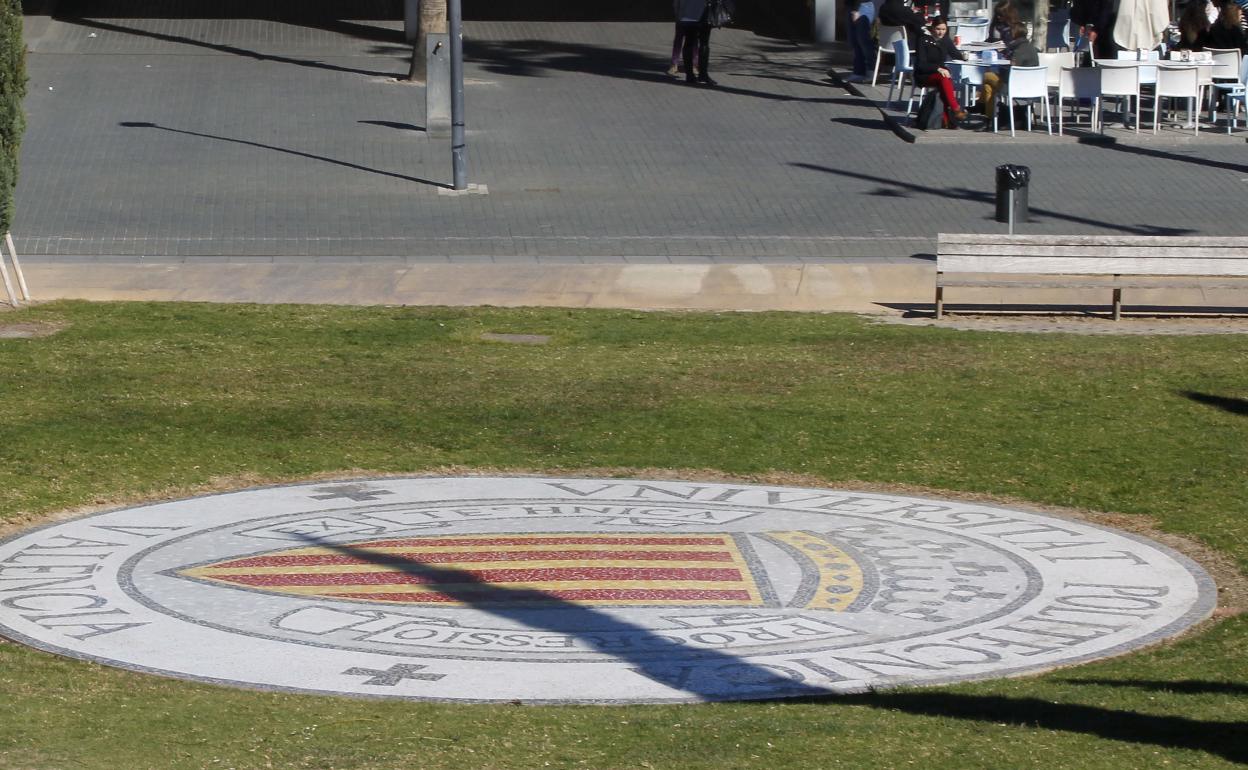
861 17
678 45
1096 23
898 13
692 16
929 68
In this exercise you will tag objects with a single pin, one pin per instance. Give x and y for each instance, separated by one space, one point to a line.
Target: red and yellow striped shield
548 568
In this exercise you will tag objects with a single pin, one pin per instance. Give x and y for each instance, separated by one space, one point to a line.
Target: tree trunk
432 20
1039 26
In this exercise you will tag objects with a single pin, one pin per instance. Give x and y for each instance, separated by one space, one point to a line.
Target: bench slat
1057 284
1103 251
1092 265
1093 240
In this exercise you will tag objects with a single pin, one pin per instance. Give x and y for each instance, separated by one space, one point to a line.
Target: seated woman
1021 53
1193 27
1228 30
930 55
1004 17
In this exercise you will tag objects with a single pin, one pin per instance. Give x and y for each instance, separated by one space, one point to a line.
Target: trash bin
1012 179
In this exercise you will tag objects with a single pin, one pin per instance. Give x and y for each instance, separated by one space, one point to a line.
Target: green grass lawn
141 401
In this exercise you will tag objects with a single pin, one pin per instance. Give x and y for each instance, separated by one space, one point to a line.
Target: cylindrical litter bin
1012 179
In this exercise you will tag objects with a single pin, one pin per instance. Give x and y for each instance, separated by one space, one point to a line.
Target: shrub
12 91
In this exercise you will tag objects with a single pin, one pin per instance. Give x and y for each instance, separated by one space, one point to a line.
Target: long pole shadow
286 150
706 673
962 193
1228 740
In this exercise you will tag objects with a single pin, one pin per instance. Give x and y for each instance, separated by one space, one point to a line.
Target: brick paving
243 139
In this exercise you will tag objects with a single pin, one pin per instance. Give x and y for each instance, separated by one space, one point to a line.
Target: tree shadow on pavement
963 193
705 673
221 47
1238 168
286 150
1228 740
1225 403
533 58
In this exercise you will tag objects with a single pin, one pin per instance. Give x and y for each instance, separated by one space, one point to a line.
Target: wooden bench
1077 261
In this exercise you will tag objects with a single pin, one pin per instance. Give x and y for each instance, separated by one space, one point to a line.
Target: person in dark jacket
1228 30
930 55
1021 53
898 13
692 17
1095 19
1193 27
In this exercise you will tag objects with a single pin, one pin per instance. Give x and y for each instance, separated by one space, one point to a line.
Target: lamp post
456 24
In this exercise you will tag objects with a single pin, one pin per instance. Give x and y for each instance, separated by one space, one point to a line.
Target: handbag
719 12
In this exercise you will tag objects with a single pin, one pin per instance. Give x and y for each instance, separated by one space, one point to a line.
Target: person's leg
690 42
948 95
678 46
992 84
860 37
704 52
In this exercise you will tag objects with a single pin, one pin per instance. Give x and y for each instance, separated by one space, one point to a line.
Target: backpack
719 12
930 115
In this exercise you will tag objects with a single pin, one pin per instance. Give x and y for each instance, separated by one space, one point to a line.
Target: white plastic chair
973 31
1178 83
902 68
1026 84
971 78
1226 69
1236 96
1119 79
1079 83
1053 63
888 36
1225 63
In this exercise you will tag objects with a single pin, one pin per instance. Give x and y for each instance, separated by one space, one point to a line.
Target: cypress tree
12 91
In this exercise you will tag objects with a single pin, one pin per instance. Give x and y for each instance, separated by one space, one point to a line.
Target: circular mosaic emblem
587 590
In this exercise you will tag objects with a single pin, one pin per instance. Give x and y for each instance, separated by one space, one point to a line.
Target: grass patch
140 400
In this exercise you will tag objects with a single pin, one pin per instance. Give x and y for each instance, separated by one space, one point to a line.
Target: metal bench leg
940 301
1117 304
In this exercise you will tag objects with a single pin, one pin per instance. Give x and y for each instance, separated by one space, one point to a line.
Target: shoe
691 81
960 115
673 70
976 109
856 79
706 81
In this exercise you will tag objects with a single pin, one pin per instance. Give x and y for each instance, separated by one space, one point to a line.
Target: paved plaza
187 140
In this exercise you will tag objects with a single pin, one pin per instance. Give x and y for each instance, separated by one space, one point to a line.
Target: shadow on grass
1183 686
310 156
1226 403
1228 740
707 674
